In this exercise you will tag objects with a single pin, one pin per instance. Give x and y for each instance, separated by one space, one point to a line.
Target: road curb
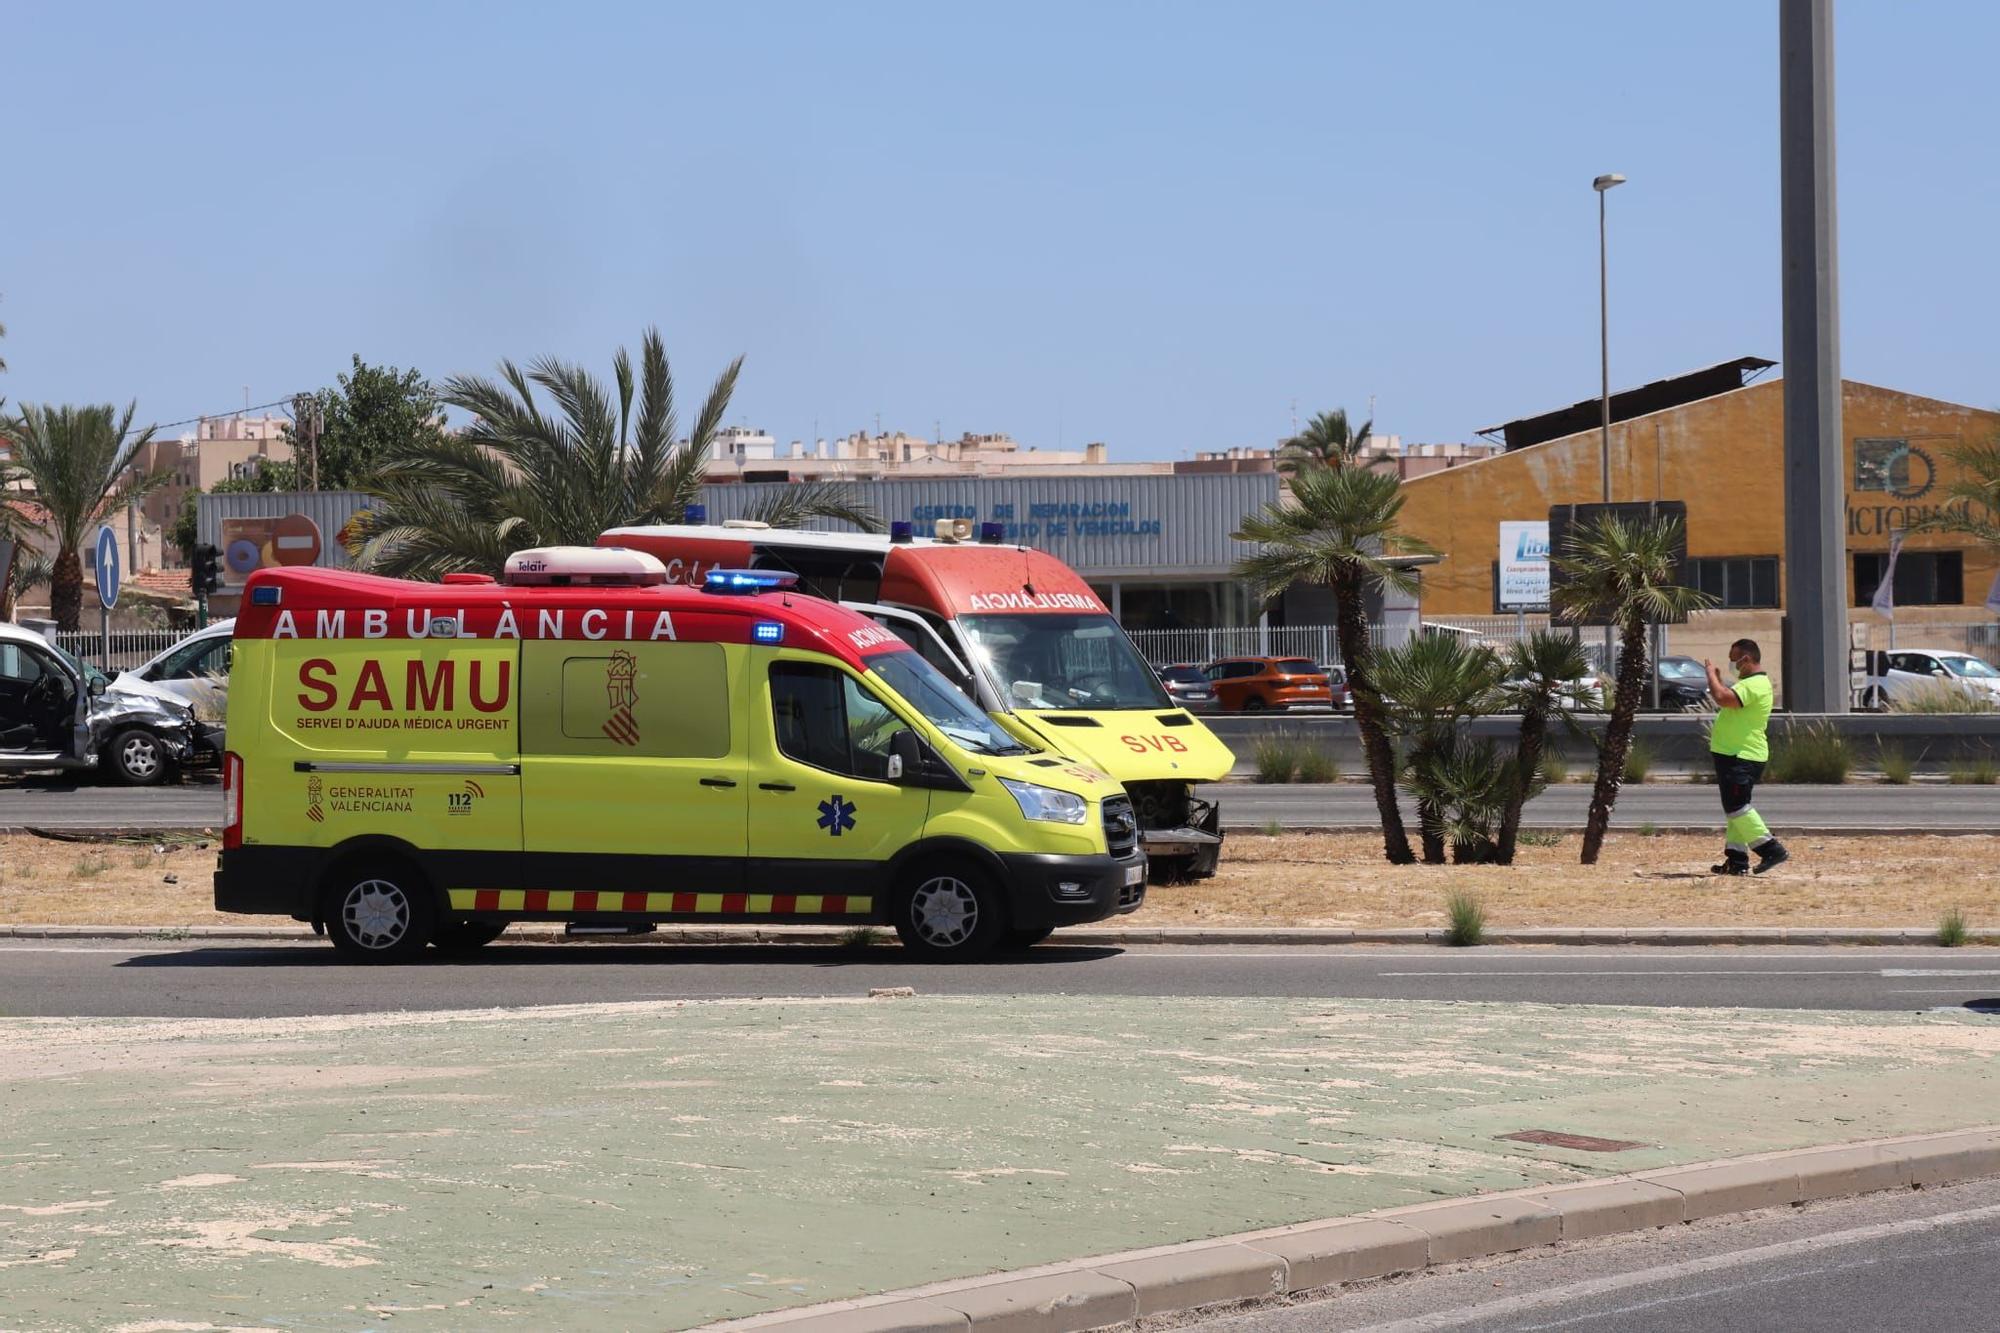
1289 1261
1086 936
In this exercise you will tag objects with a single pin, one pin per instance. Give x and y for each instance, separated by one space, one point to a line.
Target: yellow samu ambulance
580 742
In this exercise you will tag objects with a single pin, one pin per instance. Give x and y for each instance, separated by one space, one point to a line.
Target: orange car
1277 684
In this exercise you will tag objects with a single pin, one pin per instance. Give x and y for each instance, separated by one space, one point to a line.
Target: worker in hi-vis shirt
1741 747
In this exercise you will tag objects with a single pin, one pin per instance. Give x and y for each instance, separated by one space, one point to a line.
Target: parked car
1908 670
1274 684
1187 686
1337 686
1582 694
58 713
194 672
1683 684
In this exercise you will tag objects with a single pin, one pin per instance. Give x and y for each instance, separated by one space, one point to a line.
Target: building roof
1660 395
176 583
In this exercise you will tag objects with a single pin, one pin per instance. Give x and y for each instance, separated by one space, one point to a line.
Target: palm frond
798 504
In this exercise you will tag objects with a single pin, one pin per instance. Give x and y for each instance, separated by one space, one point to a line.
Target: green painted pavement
666 1164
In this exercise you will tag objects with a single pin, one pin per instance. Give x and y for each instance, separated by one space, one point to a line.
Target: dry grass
43 882
1340 879
1331 879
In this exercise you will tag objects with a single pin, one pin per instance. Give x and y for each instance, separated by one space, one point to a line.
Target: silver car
57 712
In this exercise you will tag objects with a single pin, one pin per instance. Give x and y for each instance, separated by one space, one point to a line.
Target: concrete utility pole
1815 538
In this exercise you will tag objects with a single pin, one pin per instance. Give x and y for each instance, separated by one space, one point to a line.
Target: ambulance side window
825 718
654 700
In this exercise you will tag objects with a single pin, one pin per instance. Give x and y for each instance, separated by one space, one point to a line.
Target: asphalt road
1244 805
49 978
1926 1259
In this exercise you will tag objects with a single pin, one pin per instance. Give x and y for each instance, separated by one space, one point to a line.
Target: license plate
1134 875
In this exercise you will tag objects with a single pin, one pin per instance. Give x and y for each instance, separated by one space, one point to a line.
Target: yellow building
1716 442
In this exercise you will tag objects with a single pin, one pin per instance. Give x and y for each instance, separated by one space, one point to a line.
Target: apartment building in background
218 449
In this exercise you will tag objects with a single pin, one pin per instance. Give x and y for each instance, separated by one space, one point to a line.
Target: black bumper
1035 888
267 881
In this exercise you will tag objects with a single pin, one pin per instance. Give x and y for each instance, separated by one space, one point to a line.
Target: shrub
1638 760
90 865
1941 697
1272 828
1466 919
1277 758
1816 753
1538 837
1951 929
861 937
1981 772
1897 767
1649 830
1316 765
1554 769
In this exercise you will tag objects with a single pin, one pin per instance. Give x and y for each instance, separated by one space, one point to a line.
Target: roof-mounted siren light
992 533
747 582
582 567
902 531
753 524
954 529
695 515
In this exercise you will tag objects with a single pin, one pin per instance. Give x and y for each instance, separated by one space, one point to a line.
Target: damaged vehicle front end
59 713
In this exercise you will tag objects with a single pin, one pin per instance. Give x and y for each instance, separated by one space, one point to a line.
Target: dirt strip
1304 879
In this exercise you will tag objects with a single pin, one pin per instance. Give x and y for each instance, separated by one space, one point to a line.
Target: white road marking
1500 1309
1651 972
1940 972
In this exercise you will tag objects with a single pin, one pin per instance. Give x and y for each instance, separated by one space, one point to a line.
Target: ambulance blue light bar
267 595
695 514
768 631
743 582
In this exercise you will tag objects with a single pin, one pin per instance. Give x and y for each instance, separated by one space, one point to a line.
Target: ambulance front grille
1121 827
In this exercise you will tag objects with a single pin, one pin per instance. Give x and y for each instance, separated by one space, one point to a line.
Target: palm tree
80 462
521 476
1326 442
1625 574
1339 532
1436 681
1541 673
1972 502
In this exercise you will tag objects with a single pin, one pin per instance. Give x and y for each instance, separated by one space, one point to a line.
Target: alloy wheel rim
376 914
945 912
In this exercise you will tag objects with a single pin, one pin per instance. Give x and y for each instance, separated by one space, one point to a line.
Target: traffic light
207 570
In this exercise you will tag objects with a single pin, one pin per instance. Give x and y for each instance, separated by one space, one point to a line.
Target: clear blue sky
1152 224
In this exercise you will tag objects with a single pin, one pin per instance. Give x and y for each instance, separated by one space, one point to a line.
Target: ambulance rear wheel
379 912
462 937
950 913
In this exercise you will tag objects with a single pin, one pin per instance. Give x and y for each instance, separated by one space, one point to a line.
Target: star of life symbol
313 790
619 680
836 816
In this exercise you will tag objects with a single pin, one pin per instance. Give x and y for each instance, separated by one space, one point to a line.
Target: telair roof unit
582 567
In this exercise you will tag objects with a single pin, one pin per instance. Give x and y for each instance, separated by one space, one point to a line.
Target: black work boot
1771 854
1733 863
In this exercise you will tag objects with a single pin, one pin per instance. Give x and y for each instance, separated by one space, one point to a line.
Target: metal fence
1981 638
128 647
1164 647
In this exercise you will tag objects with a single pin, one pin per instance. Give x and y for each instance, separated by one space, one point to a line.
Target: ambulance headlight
1046 803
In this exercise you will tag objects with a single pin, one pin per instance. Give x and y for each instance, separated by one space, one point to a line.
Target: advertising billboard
1524 565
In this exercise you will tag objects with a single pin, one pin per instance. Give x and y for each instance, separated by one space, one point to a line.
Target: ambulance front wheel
379 912
950 912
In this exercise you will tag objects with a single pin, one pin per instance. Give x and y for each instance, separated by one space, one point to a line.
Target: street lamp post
1603 184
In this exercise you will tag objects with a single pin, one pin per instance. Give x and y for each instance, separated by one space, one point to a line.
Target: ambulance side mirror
906 754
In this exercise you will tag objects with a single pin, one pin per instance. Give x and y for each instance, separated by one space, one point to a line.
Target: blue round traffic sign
105 561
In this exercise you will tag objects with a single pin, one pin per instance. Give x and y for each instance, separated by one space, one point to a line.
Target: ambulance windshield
931 693
1082 663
